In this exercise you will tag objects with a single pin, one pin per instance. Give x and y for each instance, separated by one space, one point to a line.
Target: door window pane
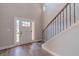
26 23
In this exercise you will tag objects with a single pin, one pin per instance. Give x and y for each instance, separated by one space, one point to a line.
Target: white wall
51 10
7 14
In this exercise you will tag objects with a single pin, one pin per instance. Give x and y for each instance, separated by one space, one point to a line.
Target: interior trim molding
14 45
52 53
6 47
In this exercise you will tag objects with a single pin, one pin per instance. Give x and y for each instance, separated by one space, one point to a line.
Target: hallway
25 50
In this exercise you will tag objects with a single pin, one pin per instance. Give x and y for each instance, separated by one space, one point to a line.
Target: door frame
33 30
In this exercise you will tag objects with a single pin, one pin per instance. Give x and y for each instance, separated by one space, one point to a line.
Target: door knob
20 33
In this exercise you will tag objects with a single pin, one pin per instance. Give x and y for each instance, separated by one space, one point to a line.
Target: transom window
26 23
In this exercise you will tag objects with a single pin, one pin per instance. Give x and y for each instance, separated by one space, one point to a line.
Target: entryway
24 30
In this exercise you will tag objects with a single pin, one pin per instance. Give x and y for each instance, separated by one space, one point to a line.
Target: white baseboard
52 53
5 47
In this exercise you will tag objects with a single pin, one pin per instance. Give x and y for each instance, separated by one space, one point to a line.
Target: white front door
23 31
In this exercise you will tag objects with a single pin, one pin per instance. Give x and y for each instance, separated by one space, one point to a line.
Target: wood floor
34 49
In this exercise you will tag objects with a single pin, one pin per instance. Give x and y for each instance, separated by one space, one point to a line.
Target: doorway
24 30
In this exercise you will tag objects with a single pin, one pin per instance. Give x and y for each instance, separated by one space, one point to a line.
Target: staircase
61 34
